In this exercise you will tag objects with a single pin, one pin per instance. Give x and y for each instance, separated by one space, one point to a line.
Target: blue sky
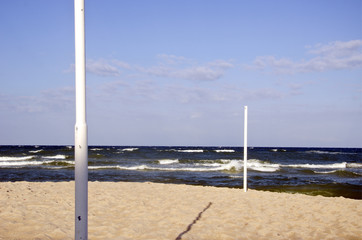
180 72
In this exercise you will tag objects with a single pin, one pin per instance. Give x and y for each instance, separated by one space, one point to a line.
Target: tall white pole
81 142
245 147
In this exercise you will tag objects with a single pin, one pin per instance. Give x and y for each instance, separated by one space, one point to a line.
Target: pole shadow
179 237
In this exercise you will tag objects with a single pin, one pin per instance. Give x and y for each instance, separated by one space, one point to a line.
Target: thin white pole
245 147
81 141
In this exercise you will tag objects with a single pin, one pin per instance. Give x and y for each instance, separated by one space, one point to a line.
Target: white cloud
182 68
332 56
221 64
337 48
111 88
170 66
121 64
102 68
263 93
202 73
52 100
172 59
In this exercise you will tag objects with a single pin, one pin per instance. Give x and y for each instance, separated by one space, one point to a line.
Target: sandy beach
124 210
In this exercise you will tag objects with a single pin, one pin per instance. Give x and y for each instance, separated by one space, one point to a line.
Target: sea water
315 171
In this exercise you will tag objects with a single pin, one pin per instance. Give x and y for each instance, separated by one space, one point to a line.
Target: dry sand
163 211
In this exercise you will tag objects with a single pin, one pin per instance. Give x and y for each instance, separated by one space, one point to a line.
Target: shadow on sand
194 222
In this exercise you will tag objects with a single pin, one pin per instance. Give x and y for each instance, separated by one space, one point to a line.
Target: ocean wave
262 166
96 149
277 150
236 176
224 150
129 149
182 150
328 152
227 165
59 156
96 156
59 163
340 173
146 167
325 172
211 164
15 158
168 161
327 166
139 167
191 151
205 161
19 163
36 151
354 165
238 165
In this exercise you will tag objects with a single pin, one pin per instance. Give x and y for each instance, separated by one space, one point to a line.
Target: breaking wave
129 149
59 156
19 163
191 151
168 161
203 166
15 158
334 165
224 151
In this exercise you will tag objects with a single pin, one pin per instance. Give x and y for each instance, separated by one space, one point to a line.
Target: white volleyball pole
245 147
81 142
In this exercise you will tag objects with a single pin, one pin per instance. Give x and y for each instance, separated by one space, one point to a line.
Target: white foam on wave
36 151
277 150
96 149
233 164
325 172
328 152
140 167
333 165
225 165
16 158
260 166
228 165
145 167
59 156
100 167
30 163
168 161
209 164
238 165
53 161
235 176
354 165
129 149
191 151
225 151
19 163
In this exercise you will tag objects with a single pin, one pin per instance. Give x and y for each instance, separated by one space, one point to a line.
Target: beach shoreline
133 210
316 171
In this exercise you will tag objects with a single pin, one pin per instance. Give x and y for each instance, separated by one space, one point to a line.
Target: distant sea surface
315 171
